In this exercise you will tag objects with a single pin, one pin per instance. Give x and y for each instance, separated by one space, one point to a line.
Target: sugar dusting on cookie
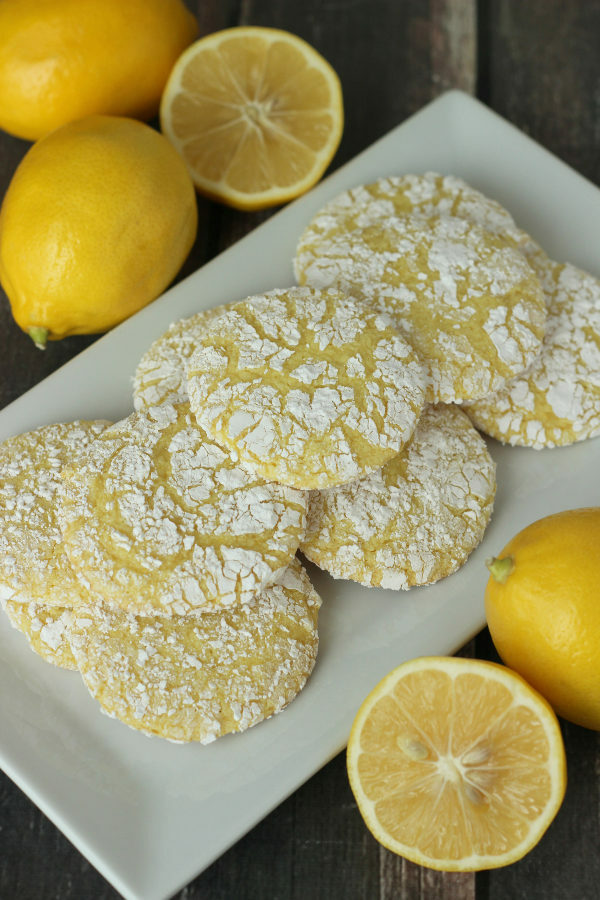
427 195
467 300
161 374
197 678
159 519
32 559
556 401
45 628
309 388
414 521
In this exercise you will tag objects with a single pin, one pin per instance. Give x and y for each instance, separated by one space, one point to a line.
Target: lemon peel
62 60
544 617
108 212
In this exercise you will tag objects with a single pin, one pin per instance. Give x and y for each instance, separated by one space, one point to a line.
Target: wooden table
536 62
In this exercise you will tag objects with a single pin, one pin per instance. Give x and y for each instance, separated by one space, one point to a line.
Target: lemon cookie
309 388
468 301
33 565
414 521
557 400
430 194
196 678
158 518
45 627
161 375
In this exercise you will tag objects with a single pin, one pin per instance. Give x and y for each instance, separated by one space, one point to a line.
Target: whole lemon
542 605
97 221
61 60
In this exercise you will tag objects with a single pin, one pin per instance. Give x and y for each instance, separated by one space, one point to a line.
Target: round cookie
309 388
33 565
427 195
161 374
414 521
196 678
45 627
556 401
158 519
467 300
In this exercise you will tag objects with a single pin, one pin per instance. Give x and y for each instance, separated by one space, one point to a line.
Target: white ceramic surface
149 814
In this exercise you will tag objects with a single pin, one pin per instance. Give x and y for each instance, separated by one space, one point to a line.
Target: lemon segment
456 764
256 113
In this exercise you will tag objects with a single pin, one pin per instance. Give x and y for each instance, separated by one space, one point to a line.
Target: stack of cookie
335 417
320 391
498 330
142 555
508 333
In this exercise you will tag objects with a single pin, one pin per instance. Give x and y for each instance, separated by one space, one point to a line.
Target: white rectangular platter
149 814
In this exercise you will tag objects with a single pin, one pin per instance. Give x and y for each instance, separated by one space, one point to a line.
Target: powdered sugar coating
158 519
33 565
467 300
427 195
196 678
556 401
161 374
310 388
414 521
45 627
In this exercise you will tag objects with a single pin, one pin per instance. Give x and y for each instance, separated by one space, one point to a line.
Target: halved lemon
256 113
456 764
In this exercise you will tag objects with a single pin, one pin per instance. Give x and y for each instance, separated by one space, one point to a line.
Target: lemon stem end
500 569
39 336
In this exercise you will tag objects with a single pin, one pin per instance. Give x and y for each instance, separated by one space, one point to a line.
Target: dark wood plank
392 57
565 863
454 45
36 860
539 67
313 845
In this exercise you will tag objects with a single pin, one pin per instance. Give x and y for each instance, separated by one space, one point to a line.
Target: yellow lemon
256 113
61 60
97 221
542 605
456 764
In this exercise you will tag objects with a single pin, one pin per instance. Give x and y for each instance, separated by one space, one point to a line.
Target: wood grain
537 69
538 66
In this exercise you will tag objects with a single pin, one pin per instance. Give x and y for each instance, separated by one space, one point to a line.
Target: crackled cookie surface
45 627
430 194
159 519
414 521
557 400
33 565
199 677
161 374
309 388
467 300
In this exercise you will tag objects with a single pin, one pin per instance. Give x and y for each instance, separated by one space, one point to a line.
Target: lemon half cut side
456 764
256 113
